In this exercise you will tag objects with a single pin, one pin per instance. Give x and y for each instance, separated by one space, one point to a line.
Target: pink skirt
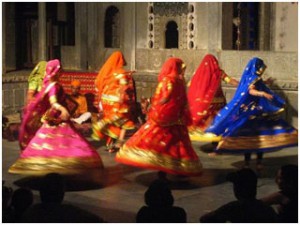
57 149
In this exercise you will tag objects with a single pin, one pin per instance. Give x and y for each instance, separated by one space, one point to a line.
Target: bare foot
113 149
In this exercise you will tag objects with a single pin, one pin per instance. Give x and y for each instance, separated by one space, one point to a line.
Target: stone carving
170 8
190 31
150 38
282 33
159 15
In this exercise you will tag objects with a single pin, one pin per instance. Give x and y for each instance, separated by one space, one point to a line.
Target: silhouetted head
287 178
22 198
52 188
244 183
159 195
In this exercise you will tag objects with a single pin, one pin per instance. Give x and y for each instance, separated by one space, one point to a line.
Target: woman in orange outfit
117 96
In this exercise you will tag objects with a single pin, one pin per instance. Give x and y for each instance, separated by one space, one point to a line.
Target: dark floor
118 193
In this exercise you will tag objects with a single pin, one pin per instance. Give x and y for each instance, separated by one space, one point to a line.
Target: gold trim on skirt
258 142
62 165
152 158
198 135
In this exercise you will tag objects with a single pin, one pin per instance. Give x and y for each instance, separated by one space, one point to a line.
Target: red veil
171 68
172 87
203 87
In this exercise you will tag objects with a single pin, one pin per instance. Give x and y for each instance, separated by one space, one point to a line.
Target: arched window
172 35
111 26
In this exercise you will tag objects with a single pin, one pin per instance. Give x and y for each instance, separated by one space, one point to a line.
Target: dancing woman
55 146
117 96
206 97
35 83
163 143
250 122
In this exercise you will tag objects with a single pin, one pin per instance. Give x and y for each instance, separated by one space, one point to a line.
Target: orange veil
113 64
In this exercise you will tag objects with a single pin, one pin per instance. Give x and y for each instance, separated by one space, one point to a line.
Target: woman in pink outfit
56 146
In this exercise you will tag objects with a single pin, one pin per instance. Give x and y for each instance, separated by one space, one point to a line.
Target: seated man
81 113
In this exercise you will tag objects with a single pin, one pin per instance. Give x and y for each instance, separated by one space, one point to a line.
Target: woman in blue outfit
250 122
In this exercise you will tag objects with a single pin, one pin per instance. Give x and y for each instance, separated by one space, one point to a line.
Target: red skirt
161 148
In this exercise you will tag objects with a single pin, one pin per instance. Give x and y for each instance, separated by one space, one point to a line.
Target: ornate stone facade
201 29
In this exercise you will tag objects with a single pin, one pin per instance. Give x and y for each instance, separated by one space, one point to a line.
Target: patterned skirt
259 135
197 133
57 149
113 121
160 148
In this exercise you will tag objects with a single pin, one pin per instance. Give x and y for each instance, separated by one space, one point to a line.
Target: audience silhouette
160 209
21 200
52 209
6 199
246 209
287 198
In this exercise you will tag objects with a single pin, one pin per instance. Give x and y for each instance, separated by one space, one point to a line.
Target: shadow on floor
73 183
91 180
97 144
207 148
117 216
210 177
109 214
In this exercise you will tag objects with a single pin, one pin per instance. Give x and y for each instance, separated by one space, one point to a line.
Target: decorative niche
169 25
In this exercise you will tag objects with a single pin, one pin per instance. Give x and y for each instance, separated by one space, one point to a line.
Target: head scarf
113 64
172 68
75 83
243 104
38 71
175 108
52 68
203 86
37 75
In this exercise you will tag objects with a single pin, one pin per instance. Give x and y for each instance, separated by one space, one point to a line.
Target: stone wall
14 88
89 54
286 26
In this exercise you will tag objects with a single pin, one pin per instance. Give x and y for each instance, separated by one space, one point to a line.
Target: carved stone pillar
265 26
214 27
3 38
42 53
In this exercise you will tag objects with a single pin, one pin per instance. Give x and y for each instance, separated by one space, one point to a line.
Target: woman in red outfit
163 143
205 96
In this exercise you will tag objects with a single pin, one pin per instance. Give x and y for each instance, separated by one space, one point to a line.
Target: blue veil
245 106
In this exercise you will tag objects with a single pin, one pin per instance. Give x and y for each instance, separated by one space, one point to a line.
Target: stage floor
117 194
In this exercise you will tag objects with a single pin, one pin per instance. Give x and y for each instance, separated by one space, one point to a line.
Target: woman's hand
267 96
